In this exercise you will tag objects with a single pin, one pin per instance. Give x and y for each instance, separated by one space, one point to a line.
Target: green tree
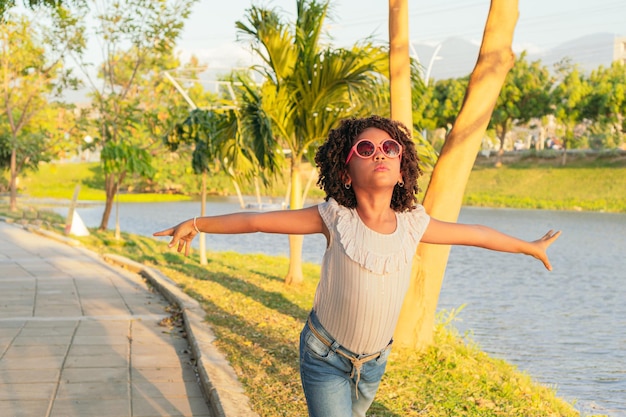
20 156
421 98
167 102
447 99
307 87
569 97
439 106
32 72
525 94
137 39
606 100
237 138
59 123
121 159
6 5
200 130
249 151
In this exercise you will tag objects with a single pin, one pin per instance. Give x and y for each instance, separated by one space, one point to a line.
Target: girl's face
377 169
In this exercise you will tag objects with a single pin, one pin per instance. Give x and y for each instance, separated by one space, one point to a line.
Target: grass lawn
588 183
60 181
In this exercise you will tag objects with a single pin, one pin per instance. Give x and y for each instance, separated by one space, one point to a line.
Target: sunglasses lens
391 148
365 148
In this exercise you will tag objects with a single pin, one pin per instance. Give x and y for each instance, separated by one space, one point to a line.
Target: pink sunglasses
366 148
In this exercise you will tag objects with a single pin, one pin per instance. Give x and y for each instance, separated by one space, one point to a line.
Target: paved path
79 337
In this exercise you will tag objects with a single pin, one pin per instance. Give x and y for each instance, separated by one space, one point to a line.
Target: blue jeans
330 385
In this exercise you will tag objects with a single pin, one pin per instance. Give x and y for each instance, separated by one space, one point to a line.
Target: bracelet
195 226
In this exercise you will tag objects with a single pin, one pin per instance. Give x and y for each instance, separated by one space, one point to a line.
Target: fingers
175 240
166 232
547 264
549 238
181 235
552 235
183 245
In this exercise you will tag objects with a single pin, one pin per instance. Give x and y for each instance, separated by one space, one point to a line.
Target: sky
210 32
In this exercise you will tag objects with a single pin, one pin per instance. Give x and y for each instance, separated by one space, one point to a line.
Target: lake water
566 328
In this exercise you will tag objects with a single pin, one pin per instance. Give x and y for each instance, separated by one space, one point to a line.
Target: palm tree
308 87
222 134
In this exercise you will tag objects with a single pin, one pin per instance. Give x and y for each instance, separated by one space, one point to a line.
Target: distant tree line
562 105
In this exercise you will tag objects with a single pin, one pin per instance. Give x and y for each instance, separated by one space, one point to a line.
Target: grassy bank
59 180
257 319
591 183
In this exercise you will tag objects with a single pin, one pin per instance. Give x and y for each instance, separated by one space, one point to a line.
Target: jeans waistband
356 360
315 321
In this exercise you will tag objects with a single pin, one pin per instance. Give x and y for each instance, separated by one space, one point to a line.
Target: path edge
222 388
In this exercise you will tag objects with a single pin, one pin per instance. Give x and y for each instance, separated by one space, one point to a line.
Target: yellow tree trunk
399 65
294 275
445 192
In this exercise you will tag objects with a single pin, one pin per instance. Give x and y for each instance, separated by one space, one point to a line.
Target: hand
182 235
542 245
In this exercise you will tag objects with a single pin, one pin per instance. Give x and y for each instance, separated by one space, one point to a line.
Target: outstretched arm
292 222
445 233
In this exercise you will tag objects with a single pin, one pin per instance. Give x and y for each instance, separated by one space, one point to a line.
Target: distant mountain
589 52
456 57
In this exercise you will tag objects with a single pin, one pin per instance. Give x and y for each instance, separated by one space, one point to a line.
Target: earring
347 186
400 184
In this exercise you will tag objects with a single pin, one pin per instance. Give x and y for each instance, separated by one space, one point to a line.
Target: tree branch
447 186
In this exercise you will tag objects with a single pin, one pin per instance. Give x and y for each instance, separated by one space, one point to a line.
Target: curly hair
331 161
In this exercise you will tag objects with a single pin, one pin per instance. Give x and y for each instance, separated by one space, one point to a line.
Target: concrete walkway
80 337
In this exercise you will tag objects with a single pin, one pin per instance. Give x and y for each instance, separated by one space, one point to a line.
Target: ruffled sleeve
418 221
379 253
328 210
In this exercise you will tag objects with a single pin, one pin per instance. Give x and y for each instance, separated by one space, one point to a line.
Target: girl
368 168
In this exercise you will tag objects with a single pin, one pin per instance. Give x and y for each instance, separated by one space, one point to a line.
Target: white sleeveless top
365 276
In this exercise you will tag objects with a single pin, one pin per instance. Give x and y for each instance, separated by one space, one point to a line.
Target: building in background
619 49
